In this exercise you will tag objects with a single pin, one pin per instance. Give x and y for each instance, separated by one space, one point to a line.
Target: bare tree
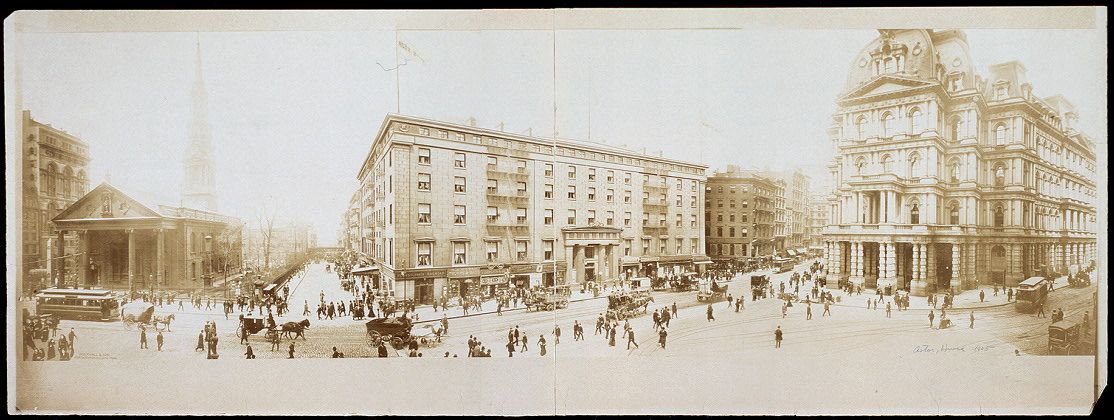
266 221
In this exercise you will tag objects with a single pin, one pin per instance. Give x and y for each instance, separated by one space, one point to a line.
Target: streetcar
96 304
1031 294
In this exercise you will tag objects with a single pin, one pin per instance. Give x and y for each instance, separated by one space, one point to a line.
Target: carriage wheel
549 307
425 342
396 342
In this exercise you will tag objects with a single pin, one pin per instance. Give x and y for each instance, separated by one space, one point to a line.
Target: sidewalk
426 313
965 300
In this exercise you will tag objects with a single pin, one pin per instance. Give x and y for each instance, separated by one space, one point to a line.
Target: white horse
163 320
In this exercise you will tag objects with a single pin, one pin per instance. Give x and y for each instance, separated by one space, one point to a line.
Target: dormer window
1001 90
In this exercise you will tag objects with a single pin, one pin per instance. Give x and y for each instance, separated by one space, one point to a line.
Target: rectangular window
492 162
492 251
610 218
572 192
645 247
547 247
520 248
661 245
610 196
424 213
591 216
611 177
548 219
460 253
423 182
572 217
492 186
459 160
460 214
425 254
549 191
521 188
645 219
661 219
572 172
591 174
592 193
521 216
680 184
680 244
522 166
626 219
626 247
626 178
679 220
492 214
549 169
423 156
460 184
692 203
692 220
626 197
645 197
678 201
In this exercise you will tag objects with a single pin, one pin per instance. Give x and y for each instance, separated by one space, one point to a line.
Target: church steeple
198 186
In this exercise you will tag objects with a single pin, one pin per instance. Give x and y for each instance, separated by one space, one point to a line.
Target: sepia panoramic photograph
672 211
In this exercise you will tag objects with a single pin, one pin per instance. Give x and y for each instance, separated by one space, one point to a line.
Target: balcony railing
511 198
501 229
516 173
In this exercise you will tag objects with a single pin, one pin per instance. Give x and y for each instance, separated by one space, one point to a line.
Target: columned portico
602 241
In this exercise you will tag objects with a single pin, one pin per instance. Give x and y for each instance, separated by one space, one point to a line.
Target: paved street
850 328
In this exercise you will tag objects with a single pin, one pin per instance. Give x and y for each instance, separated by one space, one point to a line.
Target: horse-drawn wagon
253 325
140 313
626 305
711 292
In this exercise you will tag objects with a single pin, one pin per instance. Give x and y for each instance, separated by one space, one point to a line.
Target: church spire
198 187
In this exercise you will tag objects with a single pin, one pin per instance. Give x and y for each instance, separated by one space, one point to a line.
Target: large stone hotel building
949 181
455 210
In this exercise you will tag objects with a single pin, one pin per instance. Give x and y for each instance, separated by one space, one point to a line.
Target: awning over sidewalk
702 262
365 270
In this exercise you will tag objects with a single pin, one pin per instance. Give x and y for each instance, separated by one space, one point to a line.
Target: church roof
108 201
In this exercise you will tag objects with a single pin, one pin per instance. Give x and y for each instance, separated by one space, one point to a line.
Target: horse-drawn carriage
140 313
758 286
711 292
549 299
398 332
253 325
687 282
628 304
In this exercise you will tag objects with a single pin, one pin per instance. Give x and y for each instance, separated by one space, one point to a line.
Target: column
570 265
956 267
891 209
61 257
613 261
856 263
83 258
917 288
159 255
891 263
131 260
578 263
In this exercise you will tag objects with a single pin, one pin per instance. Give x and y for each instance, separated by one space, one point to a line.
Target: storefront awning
702 262
365 270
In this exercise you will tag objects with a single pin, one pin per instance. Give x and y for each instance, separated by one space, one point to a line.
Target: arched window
860 127
915 122
886 164
957 128
1000 135
999 216
915 214
859 164
887 124
953 170
49 178
914 165
999 174
998 251
953 213
67 182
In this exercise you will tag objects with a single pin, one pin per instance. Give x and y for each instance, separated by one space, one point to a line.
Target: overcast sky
293 113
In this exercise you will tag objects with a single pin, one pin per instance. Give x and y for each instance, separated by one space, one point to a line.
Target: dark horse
295 329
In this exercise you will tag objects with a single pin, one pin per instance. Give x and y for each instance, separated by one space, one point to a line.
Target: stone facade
946 181
741 213
451 210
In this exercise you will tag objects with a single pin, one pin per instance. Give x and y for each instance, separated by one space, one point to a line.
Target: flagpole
398 86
